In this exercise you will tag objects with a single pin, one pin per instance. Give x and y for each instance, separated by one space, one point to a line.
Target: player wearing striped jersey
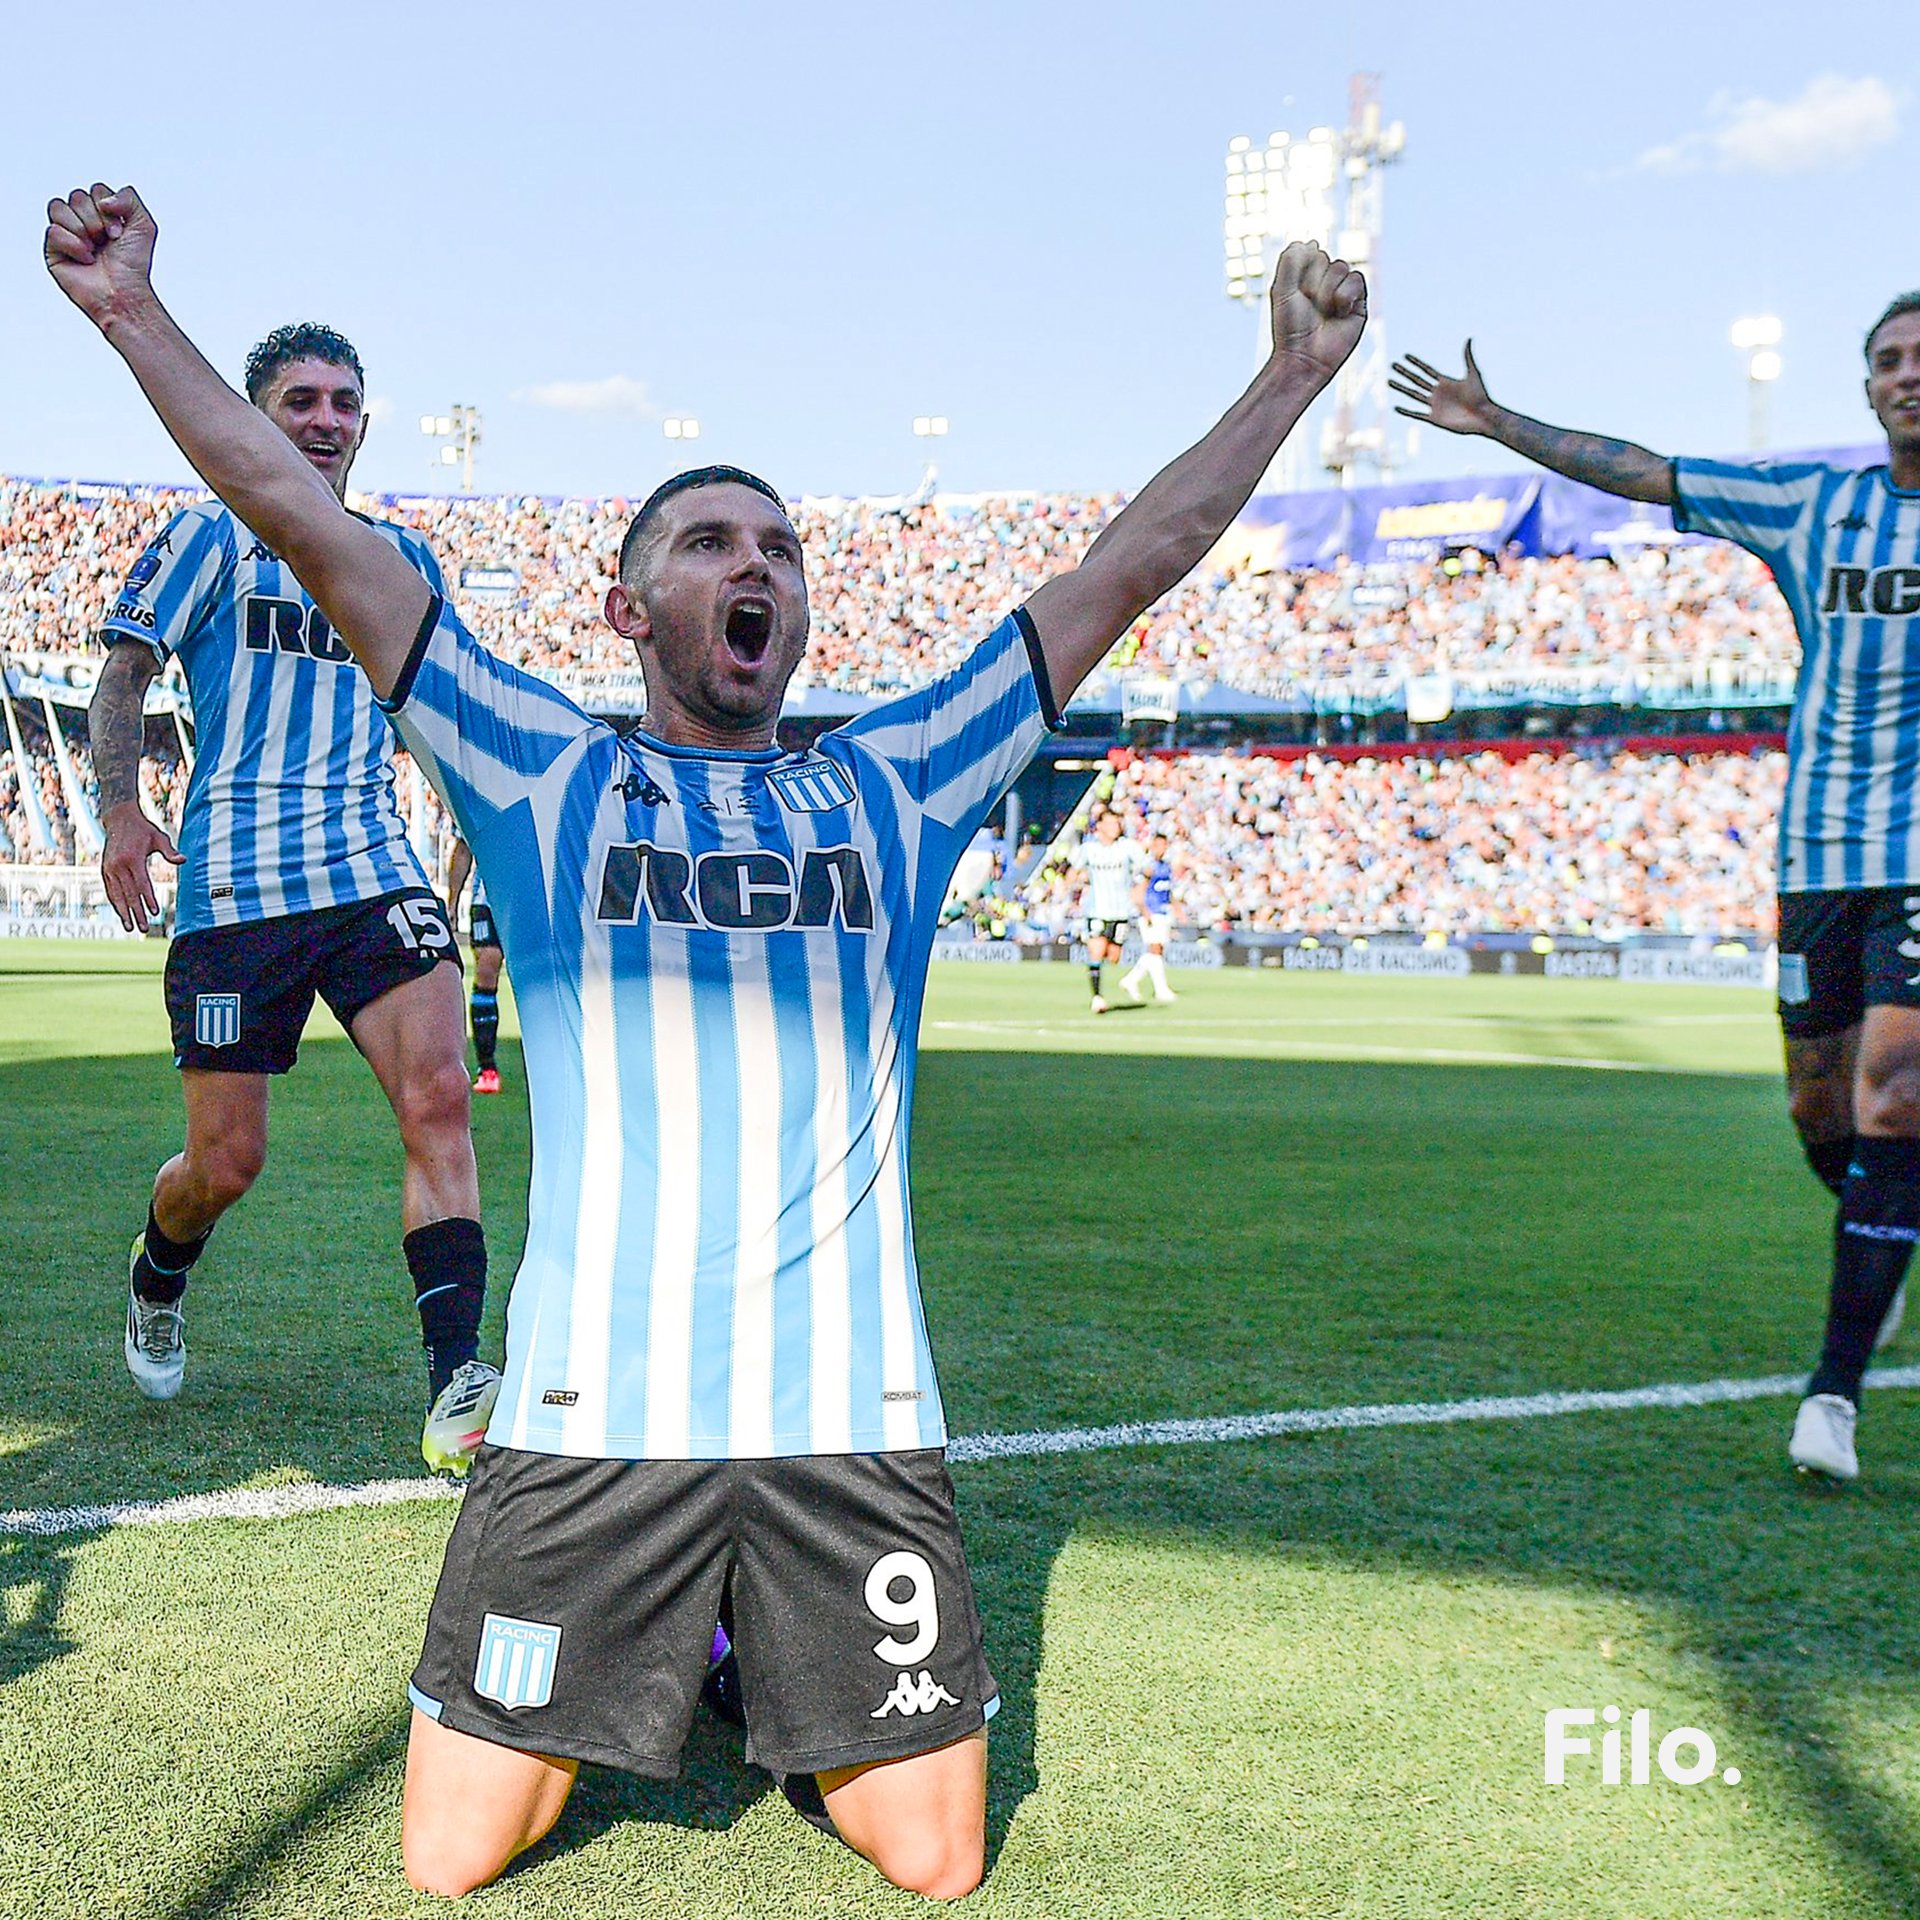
484 1006
1156 925
1844 547
296 879
1113 866
719 1381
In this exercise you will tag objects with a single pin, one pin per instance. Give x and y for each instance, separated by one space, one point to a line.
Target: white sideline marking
316 1496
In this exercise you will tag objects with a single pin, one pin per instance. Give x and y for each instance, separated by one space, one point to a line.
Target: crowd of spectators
1569 843
900 591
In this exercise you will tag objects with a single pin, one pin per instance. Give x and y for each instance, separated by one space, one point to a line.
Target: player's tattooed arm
1461 404
1152 544
99 249
115 724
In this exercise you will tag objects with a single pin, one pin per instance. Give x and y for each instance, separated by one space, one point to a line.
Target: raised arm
1462 406
99 248
1319 312
116 723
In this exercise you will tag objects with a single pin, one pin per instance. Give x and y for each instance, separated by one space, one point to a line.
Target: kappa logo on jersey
289 626
516 1661
637 786
216 1019
1851 523
814 786
911 1696
754 891
1892 592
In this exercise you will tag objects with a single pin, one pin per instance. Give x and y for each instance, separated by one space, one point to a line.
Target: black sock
1093 975
1829 1160
486 1026
448 1261
160 1274
1872 1243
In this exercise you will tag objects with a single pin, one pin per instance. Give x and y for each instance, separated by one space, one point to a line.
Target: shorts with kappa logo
576 1606
238 997
1114 931
1843 951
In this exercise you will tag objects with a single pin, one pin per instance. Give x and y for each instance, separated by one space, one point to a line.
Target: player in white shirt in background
1114 866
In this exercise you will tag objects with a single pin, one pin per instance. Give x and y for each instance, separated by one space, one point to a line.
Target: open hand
1319 307
125 864
99 248
1459 405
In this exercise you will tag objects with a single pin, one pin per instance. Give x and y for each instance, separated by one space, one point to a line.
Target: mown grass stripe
286 1503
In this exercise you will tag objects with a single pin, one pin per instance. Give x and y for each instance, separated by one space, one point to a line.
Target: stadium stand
1609 842
898 588
1605 844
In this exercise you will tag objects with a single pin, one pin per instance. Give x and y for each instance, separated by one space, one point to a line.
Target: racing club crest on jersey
814 786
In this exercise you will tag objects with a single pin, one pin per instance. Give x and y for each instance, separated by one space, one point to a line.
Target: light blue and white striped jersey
719 960
1845 549
291 805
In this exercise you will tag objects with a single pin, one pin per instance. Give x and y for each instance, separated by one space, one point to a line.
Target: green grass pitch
1288 1676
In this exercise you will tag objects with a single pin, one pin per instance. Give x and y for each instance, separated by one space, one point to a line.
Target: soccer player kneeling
719 1394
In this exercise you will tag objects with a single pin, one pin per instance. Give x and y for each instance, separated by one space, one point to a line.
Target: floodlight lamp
1239 143
426 423
938 424
449 456
1765 365
442 424
920 426
1757 330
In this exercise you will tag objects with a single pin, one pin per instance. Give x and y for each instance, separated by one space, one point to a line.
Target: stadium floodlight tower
1325 187
458 431
1758 336
1358 430
1276 194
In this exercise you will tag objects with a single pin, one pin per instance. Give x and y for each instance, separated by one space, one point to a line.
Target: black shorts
239 997
1842 952
484 932
576 1606
1111 930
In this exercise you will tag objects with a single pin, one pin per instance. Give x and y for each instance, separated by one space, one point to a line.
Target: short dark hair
642 522
303 340
1899 304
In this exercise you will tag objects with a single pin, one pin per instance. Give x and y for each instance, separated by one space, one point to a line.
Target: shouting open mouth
749 630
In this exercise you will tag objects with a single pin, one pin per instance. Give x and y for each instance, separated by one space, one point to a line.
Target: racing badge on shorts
216 1019
517 1659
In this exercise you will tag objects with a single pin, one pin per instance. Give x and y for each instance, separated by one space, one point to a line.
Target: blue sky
808 225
